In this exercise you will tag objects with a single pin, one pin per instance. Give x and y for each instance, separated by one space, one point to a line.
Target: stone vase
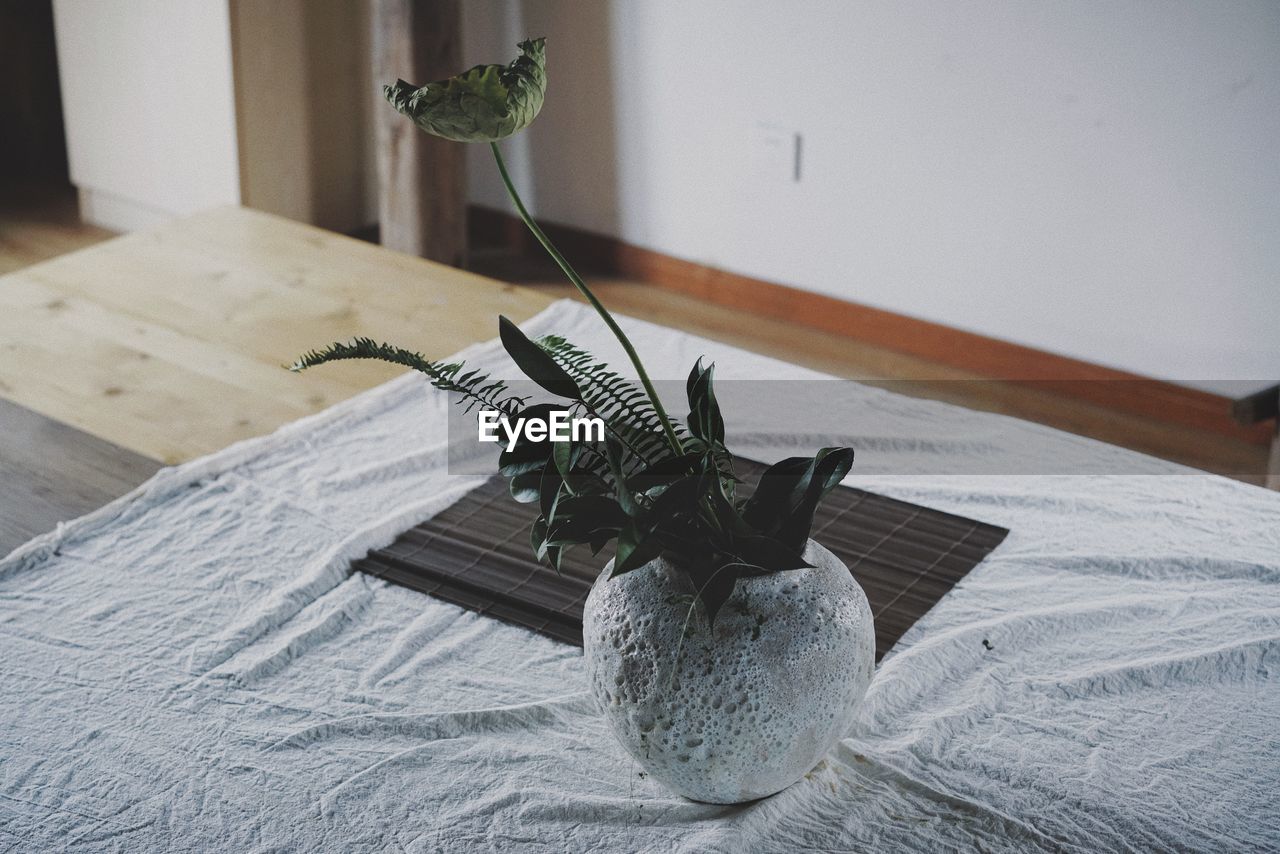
744 713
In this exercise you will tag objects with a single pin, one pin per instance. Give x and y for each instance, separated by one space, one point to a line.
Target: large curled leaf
483 104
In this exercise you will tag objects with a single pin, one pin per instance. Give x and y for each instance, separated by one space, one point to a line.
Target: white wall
149 109
174 106
1100 180
304 95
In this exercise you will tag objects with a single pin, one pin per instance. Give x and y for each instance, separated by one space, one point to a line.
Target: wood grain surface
172 342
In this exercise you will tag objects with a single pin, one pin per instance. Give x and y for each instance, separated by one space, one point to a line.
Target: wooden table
168 344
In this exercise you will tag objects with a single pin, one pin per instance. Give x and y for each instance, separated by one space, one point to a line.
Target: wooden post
422 187
1273 462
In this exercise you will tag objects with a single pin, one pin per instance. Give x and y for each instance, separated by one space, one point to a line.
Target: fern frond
624 405
474 387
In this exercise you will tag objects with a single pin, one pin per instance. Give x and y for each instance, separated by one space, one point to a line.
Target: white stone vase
745 713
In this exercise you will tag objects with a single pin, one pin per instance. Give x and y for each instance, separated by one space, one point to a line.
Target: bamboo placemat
477 554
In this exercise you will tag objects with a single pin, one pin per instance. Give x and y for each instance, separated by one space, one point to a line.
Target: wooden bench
170 343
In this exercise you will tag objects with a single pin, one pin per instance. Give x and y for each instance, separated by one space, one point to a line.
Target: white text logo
559 427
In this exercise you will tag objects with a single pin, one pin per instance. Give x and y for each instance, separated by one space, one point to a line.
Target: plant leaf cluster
632 487
655 486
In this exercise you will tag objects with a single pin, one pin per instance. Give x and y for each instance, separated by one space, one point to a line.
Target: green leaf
549 489
543 548
623 404
527 455
525 486
769 505
726 512
585 519
565 455
680 496
716 589
538 537
614 456
789 493
536 362
768 554
790 490
664 471
636 547
484 104
830 465
705 420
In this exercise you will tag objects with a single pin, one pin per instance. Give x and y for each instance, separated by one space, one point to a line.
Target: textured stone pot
745 713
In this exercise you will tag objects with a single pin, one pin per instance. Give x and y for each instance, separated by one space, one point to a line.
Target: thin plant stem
591 298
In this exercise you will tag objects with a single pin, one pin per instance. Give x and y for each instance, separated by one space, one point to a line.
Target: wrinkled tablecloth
195 666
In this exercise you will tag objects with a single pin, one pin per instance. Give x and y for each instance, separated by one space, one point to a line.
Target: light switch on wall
776 152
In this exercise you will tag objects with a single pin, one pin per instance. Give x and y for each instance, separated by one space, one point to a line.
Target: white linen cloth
195 667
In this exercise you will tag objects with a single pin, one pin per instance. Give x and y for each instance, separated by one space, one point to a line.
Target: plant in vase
727 649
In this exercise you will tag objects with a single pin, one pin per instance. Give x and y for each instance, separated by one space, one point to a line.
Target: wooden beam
421 179
299 162
1273 462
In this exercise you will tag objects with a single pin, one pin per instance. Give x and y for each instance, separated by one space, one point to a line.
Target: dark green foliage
633 487
790 491
655 486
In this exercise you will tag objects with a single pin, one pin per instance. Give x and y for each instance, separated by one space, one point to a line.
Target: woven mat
477 555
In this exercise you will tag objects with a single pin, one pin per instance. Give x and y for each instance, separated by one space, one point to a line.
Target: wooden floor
44 226
51 472
905 374
38 223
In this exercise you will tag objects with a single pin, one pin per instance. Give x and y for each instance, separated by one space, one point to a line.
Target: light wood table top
171 342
